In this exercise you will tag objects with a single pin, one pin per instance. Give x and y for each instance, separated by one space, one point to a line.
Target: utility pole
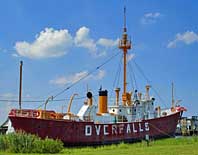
20 83
173 101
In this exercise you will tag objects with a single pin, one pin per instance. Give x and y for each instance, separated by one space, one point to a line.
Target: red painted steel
90 133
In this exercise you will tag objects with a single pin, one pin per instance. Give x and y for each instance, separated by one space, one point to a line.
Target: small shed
4 127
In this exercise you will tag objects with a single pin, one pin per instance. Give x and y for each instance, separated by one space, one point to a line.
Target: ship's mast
124 44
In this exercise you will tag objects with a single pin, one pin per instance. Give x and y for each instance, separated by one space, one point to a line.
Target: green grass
21 142
171 146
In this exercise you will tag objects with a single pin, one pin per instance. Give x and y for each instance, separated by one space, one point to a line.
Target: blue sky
60 41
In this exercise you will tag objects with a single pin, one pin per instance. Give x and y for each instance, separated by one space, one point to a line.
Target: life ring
52 115
36 114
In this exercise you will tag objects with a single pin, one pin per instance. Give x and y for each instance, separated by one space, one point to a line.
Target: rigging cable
98 67
63 90
118 81
141 71
89 73
149 82
133 75
117 77
57 100
131 78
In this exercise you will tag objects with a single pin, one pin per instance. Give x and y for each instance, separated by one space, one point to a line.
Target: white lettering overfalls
105 127
134 130
140 128
88 130
114 130
128 128
97 129
146 124
121 128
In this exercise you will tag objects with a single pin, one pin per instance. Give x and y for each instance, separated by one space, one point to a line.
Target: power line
7 100
38 101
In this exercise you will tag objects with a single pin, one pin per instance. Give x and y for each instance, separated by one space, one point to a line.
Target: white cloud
63 80
130 57
59 81
107 42
101 53
55 43
15 55
152 15
150 18
100 75
49 43
187 37
82 39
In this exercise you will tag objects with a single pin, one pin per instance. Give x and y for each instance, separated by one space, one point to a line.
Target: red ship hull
90 133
